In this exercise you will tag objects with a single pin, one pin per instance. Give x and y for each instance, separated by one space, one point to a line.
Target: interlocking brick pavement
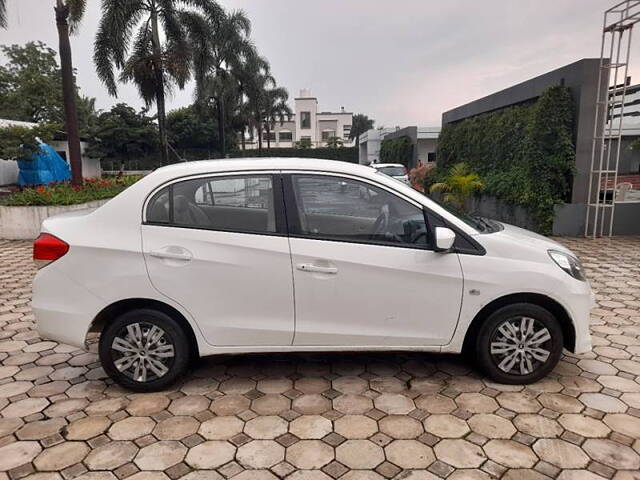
351 416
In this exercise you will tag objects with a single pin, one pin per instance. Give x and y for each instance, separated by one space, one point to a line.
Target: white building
307 124
423 139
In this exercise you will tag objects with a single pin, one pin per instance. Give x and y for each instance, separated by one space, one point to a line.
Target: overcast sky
402 62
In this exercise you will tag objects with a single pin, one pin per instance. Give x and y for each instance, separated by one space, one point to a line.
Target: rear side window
239 203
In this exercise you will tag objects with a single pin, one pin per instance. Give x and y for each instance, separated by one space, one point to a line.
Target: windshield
392 171
481 224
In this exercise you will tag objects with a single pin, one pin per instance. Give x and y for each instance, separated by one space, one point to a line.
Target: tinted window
240 203
344 209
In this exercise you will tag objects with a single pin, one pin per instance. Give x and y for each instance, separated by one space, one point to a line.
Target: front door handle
309 267
171 255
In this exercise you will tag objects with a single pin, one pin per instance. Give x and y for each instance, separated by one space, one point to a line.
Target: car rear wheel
519 344
144 350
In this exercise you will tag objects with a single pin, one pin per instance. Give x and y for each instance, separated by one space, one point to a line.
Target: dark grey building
581 78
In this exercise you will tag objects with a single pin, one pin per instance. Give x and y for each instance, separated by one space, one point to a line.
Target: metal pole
624 93
595 125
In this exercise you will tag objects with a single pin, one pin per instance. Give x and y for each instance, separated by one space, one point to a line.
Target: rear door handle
309 267
184 256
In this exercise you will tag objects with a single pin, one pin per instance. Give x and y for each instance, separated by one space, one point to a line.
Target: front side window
335 208
237 203
327 134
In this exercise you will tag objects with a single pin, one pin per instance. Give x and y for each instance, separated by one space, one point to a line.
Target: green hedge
345 154
397 150
524 154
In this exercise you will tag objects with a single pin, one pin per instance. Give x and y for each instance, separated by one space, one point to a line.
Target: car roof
270 163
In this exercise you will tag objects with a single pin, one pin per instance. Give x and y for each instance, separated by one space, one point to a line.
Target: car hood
527 238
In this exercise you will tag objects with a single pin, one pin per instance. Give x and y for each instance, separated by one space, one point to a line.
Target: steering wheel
381 227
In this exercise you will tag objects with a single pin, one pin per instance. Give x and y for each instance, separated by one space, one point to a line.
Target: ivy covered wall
397 150
524 154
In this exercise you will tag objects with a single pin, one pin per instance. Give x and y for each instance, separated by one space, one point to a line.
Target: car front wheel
144 350
519 344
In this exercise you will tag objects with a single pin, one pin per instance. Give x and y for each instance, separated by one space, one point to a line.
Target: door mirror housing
445 237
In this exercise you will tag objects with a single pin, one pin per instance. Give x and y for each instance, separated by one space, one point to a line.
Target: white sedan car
276 255
395 170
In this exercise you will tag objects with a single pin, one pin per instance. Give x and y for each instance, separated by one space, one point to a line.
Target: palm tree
220 45
155 67
3 13
68 16
274 109
458 185
359 125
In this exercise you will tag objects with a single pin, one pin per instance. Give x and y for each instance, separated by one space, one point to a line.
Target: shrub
421 177
21 143
396 150
67 194
524 154
457 186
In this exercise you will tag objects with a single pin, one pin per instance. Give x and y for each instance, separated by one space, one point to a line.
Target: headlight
568 263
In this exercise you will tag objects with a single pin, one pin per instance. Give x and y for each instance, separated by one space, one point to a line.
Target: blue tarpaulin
44 168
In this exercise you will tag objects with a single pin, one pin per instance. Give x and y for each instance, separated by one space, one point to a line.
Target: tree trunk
69 93
268 136
160 100
259 137
242 139
221 129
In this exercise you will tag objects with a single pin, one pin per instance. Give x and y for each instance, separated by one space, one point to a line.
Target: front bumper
581 306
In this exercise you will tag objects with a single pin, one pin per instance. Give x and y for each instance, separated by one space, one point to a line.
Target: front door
364 270
217 246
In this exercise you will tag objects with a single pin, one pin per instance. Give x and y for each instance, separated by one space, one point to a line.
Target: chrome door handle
309 267
170 255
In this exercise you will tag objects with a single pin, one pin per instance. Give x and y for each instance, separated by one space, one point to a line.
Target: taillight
48 248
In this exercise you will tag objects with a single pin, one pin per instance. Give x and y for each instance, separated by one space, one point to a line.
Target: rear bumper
63 309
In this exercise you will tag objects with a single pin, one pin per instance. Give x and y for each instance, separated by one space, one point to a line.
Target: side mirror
445 237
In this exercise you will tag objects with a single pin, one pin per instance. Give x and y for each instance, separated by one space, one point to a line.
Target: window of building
305 119
431 157
346 131
336 208
286 136
271 136
239 204
327 134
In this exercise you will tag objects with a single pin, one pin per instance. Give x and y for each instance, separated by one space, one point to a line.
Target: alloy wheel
520 345
143 352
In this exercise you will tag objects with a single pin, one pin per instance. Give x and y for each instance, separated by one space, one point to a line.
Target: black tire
492 363
173 334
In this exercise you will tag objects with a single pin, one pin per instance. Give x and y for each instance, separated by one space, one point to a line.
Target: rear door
365 273
217 245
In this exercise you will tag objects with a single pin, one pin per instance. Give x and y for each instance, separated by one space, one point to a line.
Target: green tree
335 142
457 186
30 88
220 45
122 135
360 124
193 131
160 55
275 109
21 143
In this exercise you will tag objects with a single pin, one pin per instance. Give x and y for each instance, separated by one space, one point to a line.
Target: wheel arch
556 309
122 306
